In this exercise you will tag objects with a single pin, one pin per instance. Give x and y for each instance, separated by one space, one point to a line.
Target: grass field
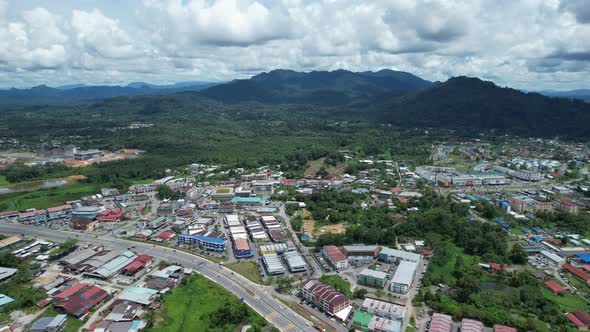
72 324
44 198
445 272
3 181
222 191
190 307
338 283
567 301
247 269
144 181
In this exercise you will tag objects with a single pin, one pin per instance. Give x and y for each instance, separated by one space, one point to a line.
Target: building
87 154
577 322
393 255
49 324
83 223
361 320
384 309
140 262
323 296
5 299
404 276
248 201
33 217
60 212
112 266
372 278
503 328
273 264
583 276
333 255
6 273
10 241
139 295
470 325
568 206
554 287
8 215
380 324
278 248
440 323
242 248
209 241
295 262
361 252
78 299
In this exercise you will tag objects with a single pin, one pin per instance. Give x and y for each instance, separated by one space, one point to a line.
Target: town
261 226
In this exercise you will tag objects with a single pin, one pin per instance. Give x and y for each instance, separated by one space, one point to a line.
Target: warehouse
384 309
393 255
361 252
403 277
294 261
273 264
372 278
232 220
333 255
278 248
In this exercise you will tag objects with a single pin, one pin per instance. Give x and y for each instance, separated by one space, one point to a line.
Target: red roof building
335 257
576 321
440 323
166 235
426 252
324 296
110 215
503 328
583 316
554 287
568 206
59 208
498 267
585 277
138 263
470 325
79 299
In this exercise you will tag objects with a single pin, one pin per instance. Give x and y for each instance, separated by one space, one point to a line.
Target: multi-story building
333 255
384 309
404 276
209 241
33 217
393 255
372 278
60 212
323 296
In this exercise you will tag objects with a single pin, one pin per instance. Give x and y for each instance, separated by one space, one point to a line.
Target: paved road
256 296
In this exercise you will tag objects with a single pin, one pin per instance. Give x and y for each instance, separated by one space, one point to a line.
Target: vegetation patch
246 269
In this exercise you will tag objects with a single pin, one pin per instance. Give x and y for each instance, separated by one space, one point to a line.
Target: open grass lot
445 272
3 180
338 283
197 305
142 181
567 301
72 324
44 198
246 269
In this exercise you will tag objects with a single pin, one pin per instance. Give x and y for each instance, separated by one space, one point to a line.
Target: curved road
256 296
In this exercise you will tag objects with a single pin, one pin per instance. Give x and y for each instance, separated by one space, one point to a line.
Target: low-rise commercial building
404 276
273 264
33 217
384 309
372 278
294 261
323 296
333 255
209 241
360 251
393 255
440 323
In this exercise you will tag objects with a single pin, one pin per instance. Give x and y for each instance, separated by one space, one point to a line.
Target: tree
359 293
164 191
518 255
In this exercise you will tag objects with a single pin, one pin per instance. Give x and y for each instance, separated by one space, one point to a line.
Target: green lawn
45 198
223 191
338 283
144 181
567 301
72 324
247 269
194 305
445 272
3 181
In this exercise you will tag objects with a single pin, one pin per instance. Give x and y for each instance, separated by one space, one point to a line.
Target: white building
404 276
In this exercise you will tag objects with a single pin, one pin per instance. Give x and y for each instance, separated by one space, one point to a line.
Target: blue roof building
5 299
584 257
248 201
525 229
214 241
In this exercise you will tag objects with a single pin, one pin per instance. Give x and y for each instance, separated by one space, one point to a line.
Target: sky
525 44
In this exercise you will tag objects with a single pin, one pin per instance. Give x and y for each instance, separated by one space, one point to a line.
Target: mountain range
80 93
318 87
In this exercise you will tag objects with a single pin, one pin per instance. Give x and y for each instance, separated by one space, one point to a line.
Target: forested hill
319 87
78 93
466 103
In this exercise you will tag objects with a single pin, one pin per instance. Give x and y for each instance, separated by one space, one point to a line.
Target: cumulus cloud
526 44
36 41
102 36
222 22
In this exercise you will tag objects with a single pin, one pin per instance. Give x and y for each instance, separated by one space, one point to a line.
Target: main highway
258 297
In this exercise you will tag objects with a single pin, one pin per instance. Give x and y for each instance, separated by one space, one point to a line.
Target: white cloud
101 36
